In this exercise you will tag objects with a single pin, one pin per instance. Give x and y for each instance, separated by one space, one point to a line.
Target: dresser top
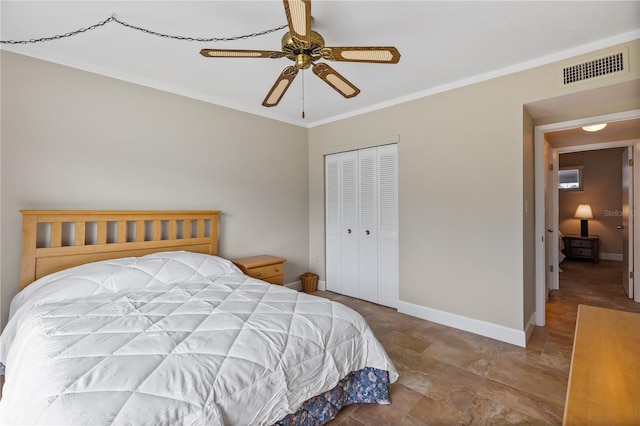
605 373
580 236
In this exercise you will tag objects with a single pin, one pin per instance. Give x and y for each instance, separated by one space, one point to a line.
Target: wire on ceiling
113 18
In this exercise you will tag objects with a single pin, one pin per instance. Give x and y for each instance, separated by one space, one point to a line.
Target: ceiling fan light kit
304 47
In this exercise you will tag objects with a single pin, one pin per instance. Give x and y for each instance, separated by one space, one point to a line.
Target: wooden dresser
263 267
587 248
604 381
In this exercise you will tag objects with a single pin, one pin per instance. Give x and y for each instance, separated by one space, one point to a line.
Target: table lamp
583 212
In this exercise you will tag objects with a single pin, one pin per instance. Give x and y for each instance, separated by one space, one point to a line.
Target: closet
361 201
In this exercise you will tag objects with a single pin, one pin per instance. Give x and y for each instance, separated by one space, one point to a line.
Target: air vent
614 63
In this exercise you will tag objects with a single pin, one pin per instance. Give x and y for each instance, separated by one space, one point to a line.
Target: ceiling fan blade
280 87
335 80
299 18
378 55
225 53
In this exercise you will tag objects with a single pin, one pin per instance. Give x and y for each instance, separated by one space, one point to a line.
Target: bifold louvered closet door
361 197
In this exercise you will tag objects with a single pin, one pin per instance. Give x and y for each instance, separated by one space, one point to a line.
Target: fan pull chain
303 94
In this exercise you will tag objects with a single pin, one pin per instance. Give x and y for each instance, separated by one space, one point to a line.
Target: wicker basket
309 282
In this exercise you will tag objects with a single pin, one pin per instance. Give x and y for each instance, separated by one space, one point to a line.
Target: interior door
627 221
333 226
388 260
349 233
368 232
551 221
554 223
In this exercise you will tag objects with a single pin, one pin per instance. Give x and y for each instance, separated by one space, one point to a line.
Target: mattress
174 338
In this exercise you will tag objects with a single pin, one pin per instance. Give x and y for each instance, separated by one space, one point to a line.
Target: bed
132 318
561 255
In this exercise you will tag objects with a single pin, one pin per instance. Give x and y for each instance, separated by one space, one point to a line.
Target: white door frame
540 202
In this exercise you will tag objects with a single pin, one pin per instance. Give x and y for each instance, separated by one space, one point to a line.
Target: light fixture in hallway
594 127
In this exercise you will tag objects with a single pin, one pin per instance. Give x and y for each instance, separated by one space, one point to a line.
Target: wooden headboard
53 240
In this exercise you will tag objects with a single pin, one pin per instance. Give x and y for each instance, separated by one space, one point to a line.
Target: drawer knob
367 232
257 274
277 270
348 231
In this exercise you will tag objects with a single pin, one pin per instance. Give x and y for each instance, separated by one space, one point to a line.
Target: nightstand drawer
582 252
581 243
264 272
279 279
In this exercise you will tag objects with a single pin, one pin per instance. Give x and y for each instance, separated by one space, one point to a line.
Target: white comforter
173 338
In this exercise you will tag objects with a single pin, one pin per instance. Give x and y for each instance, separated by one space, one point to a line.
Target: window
570 178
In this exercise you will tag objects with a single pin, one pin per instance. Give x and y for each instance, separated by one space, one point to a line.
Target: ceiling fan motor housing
303 61
302 55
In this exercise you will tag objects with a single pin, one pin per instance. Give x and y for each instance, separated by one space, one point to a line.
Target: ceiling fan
304 46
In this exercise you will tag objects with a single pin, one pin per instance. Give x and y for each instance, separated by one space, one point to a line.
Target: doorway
546 199
591 181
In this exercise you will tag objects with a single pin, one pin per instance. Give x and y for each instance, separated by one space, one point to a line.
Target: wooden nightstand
587 248
264 267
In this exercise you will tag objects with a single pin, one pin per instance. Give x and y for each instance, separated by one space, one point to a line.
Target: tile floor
448 376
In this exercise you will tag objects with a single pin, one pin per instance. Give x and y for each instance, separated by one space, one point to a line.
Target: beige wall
461 191
72 139
602 189
464 174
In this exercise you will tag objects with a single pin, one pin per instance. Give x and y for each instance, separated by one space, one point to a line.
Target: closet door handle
367 232
349 231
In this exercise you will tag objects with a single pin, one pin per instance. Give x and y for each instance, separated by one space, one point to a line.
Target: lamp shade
584 212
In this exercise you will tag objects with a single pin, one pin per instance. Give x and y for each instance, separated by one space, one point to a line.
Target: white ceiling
444 44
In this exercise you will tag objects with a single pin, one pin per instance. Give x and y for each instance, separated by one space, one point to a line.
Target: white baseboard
531 324
483 328
296 285
611 256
